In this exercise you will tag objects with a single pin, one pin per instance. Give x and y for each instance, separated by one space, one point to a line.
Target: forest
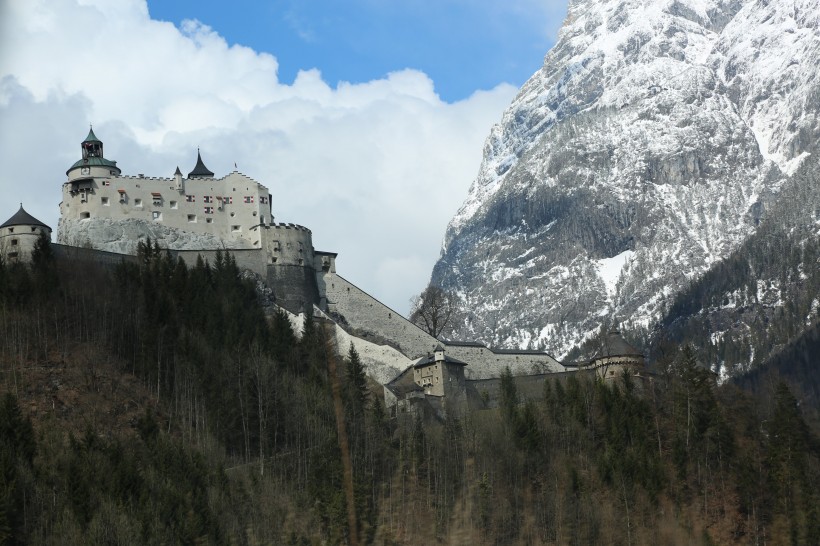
156 403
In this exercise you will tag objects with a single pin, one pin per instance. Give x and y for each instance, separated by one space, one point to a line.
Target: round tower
19 234
85 177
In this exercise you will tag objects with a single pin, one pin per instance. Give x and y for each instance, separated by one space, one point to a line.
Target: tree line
241 444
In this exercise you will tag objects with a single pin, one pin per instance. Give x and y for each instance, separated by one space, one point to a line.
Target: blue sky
376 166
462 45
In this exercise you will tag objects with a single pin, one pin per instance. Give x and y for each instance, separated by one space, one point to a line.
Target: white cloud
374 169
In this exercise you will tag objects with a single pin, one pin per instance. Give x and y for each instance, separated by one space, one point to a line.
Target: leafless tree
434 310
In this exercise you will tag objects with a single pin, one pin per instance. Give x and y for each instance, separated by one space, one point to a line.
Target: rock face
122 236
649 146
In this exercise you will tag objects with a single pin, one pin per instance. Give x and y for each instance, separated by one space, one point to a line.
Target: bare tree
434 310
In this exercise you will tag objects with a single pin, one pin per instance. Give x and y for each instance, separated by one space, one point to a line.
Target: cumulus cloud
374 169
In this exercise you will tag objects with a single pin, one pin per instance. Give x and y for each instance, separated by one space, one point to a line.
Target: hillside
153 403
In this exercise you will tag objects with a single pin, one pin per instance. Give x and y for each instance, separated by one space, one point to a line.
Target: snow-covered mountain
648 147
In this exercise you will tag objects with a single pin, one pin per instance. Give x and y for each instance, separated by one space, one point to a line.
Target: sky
366 119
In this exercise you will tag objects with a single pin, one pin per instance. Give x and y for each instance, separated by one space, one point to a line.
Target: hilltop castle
194 216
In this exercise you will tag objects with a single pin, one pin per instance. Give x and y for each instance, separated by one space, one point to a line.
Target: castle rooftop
22 218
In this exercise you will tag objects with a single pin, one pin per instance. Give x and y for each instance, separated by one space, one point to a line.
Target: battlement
139 177
285 225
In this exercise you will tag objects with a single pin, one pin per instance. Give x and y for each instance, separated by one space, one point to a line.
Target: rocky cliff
648 147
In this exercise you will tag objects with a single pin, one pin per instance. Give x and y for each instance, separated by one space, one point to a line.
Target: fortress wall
251 259
365 312
66 252
382 362
194 207
484 363
486 393
294 286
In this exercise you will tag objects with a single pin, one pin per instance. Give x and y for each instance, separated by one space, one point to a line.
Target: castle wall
484 362
294 286
486 393
227 208
365 312
67 252
251 259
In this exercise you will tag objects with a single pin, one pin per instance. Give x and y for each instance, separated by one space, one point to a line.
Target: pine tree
356 380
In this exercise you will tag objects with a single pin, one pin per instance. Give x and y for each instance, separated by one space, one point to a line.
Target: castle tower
616 356
18 235
93 162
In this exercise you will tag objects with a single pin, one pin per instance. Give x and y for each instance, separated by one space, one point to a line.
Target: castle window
263 199
190 198
209 210
173 204
192 218
106 182
157 198
227 200
208 198
85 215
157 215
12 255
209 220
11 230
236 228
14 242
254 213
233 214
249 199
104 201
138 202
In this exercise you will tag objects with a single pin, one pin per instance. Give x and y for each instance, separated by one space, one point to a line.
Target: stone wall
294 286
65 252
253 260
485 362
364 312
486 393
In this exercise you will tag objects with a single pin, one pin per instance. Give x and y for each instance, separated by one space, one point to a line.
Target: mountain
759 306
649 146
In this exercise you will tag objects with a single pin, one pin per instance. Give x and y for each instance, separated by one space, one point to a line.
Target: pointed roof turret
177 172
91 136
22 218
200 170
616 345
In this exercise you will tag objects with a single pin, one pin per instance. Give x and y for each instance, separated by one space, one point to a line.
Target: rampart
486 362
367 313
486 393
246 258
67 252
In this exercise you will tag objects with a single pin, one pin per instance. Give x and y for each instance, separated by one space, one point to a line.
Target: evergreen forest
155 403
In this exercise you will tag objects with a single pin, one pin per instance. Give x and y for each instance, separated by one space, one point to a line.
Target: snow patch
609 269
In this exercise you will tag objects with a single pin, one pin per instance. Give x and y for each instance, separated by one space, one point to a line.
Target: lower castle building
108 212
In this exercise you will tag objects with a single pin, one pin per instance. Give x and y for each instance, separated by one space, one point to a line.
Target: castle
199 214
